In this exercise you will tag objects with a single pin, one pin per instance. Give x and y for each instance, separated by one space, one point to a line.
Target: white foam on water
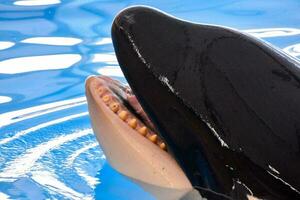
111 71
58 41
5 99
23 163
272 32
40 126
38 63
36 2
6 45
27 113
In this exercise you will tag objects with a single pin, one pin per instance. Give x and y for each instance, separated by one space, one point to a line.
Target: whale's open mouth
129 140
122 102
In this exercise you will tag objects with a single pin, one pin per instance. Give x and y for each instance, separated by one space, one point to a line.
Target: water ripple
22 165
47 49
40 126
27 113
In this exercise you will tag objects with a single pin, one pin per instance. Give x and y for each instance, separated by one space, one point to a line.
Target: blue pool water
47 147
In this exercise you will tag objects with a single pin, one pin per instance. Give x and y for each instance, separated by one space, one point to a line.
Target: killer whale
227 105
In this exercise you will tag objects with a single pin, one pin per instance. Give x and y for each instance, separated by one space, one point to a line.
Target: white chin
132 154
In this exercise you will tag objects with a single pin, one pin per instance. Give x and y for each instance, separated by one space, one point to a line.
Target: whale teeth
123 115
143 131
133 123
101 90
153 138
163 146
106 98
114 107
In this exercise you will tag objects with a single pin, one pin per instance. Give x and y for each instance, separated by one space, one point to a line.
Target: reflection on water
293 50
273 32
103 41
38 63
6 45
47 49
36 2
111 71
5 99
60 41
108 58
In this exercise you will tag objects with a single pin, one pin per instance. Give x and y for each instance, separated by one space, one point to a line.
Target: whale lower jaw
133 154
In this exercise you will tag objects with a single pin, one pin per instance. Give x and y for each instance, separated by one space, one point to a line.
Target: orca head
213 96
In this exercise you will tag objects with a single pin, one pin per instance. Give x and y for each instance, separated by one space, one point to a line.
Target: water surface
48 48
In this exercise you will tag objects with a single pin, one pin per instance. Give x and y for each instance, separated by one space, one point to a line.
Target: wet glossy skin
227 105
